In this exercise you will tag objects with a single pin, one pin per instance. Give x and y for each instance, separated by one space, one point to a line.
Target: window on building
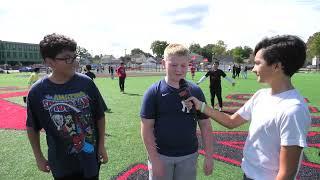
14 54
26 55
8 55
20 55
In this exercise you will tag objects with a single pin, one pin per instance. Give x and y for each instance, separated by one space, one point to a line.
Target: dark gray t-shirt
68 113
175 127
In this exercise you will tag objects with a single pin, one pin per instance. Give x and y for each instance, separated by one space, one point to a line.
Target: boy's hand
43 164
103 156
157 168
208 166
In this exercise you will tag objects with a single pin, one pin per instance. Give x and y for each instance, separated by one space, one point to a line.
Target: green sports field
124 144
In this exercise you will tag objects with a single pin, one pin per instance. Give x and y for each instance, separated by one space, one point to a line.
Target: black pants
121 83
216 91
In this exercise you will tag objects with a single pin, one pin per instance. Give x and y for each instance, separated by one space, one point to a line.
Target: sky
117 26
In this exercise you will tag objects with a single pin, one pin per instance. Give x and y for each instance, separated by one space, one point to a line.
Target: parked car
2 71
26 69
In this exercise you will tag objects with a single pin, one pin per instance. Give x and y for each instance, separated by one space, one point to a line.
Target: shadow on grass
132 94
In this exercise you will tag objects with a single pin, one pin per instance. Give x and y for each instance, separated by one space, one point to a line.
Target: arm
206 129
288 162
231 81
34 139
147 128
202 79
228 121
103 156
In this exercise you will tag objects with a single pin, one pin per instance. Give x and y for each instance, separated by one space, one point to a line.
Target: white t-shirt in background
275 120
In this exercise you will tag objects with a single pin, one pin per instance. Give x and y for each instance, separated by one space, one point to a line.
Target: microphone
184 92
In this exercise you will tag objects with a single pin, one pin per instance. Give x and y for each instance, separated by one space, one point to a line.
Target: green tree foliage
240 53
158 47
137 51
196 48
313 45
207 52
83 54
219 49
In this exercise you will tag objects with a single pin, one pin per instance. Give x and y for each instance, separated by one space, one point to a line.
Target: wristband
203 105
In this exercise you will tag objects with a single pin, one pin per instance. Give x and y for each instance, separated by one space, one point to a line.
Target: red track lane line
309 164
216 156
14 94
229 132
125 175
230 144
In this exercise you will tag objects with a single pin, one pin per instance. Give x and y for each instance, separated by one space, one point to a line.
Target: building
15 53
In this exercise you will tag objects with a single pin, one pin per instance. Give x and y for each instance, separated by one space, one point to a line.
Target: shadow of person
132 94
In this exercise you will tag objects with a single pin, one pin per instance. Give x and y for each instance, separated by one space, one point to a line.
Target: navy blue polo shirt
175 126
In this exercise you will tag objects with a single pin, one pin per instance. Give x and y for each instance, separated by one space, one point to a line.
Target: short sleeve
223 74
32 118
148 107
202 98
294 126
207 74
99 106
246 110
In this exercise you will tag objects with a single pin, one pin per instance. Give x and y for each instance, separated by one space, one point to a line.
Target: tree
240 53
313 45
158 47
196 48
207 52
137 51
219 49
83 54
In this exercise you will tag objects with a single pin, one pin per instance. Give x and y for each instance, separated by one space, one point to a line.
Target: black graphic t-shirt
215 77
68 113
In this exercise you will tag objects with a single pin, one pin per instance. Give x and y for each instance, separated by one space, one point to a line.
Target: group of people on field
71 110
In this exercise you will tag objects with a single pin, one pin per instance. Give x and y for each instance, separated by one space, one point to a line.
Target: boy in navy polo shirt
69 107
168 127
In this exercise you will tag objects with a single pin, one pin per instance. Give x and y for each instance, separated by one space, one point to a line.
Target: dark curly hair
288 49
53 44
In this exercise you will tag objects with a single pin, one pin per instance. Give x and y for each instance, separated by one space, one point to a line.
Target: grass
124 146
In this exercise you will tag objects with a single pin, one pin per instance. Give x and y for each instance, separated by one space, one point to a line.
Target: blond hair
175 50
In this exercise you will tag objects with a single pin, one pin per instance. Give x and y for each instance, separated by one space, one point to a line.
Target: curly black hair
53 44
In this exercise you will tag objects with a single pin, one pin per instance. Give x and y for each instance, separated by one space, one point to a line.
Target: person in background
70 109
279 117
89 73
32 79
121 72
215 83
168 128
192 69
111 72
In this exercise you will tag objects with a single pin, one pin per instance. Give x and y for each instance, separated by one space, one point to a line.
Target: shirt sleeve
207 74
246 110
294 126
32 119
223 74
202 98
99 106
148 107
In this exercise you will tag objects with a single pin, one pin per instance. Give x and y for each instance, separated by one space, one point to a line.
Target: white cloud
109 27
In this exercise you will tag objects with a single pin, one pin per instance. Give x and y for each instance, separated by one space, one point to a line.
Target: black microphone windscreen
183 83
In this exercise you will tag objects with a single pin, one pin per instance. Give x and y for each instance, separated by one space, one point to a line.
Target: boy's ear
48 62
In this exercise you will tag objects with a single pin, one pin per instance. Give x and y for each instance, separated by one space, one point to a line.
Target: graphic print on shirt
72 118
